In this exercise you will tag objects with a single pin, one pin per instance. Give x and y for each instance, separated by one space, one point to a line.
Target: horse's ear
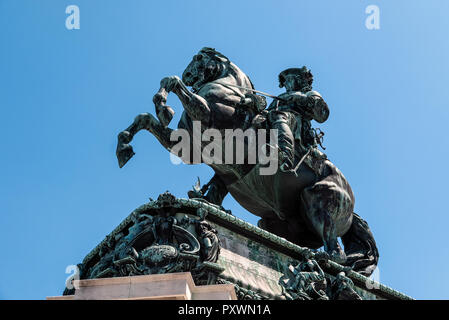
281 81
215 53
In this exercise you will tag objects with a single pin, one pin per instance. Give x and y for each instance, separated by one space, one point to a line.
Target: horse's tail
360 247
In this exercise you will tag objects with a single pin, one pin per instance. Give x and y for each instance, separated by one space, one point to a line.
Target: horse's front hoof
124 153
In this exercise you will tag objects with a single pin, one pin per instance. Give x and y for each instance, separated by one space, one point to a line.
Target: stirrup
289 168
286 163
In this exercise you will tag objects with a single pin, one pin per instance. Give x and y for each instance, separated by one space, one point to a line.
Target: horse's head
205 67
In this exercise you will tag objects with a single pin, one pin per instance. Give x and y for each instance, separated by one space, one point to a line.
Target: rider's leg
282 121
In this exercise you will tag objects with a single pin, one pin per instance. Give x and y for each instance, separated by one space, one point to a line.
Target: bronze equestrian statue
309 202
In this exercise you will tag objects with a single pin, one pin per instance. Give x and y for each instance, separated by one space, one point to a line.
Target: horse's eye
198 57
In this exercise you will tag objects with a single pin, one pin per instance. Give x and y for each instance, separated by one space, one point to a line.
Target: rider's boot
286 151
286 142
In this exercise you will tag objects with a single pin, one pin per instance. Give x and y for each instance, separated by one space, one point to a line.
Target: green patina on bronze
305 205
308 200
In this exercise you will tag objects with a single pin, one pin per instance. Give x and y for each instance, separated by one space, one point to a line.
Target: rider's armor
292 119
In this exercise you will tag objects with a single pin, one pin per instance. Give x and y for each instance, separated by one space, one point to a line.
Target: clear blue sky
65 95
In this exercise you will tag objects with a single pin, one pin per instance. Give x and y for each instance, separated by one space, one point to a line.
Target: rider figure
292 114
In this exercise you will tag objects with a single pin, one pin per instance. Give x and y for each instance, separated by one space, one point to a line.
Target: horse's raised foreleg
195 106
145 121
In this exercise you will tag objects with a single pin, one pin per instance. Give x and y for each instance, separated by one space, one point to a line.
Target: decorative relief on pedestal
172 235
159 239
343 288
244 294
307 281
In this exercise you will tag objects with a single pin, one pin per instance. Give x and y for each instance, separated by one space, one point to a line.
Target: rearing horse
308 209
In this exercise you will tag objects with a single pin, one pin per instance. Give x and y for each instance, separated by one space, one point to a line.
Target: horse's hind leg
330 238
328 210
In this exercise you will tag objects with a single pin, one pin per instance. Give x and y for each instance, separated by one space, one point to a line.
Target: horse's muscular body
307 209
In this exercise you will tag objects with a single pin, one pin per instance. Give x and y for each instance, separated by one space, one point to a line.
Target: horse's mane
225 60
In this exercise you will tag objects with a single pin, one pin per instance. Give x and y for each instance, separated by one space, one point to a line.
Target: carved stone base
172 236
171 286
